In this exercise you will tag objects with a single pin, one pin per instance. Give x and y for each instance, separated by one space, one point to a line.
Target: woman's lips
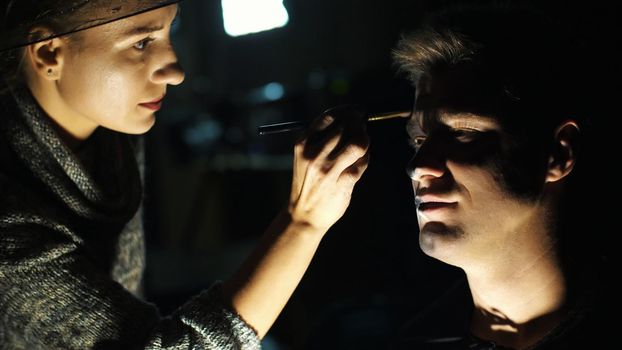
153 105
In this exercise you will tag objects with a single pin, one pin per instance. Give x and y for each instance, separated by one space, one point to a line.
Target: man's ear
564 151
46 58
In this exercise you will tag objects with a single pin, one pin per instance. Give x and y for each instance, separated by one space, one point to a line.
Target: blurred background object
214 185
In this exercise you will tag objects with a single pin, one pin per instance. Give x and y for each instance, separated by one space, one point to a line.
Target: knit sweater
72 247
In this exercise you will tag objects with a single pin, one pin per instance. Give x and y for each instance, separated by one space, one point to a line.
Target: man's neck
520 299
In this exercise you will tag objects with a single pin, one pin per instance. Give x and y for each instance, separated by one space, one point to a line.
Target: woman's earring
49 72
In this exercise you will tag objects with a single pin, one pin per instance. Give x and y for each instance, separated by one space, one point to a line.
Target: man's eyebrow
415 123
423 119
142 30
448 117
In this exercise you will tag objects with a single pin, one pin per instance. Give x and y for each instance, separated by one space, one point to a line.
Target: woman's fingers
353 145
354 172
314 130
320 123
334 144
320 135
321 128
318 149
329 161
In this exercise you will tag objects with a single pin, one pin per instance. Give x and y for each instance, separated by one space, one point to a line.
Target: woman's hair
23 22
12 59
11 67
12 62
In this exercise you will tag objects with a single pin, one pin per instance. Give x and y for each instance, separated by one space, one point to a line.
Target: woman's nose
169 71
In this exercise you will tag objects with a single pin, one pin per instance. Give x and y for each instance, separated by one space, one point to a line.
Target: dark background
214 185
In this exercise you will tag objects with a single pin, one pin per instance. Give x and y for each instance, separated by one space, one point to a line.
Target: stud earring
49 72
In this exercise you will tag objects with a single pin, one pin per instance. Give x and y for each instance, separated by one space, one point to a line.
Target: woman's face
116 75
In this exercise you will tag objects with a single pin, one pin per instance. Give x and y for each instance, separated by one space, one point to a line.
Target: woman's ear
564 152
46 58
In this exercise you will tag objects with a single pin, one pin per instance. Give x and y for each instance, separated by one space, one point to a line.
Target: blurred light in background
243 17
203 132
268 93
273 91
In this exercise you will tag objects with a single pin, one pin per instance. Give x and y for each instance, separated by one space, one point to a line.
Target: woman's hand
328 162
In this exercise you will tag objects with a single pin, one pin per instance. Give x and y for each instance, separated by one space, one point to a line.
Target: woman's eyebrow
142 30
148 28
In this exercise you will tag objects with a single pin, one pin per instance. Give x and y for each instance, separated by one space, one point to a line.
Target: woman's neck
72 128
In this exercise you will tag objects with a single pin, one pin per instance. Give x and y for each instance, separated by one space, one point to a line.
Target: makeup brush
298 125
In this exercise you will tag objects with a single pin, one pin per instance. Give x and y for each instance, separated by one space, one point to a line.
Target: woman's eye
142 45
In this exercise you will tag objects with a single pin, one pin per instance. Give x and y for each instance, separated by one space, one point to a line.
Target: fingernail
326 121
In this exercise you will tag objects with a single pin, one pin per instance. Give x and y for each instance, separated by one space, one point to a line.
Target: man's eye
416 142
142 45
465 135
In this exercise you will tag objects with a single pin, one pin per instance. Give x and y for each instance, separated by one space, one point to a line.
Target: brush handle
298 125
281 127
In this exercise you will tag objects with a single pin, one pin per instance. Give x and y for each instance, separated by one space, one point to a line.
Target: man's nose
426 163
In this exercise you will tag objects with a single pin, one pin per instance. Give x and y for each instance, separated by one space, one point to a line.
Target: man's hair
523 61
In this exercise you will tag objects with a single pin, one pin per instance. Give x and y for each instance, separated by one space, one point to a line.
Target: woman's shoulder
20 193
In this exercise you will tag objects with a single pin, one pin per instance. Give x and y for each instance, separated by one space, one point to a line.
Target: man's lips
431 206
429 199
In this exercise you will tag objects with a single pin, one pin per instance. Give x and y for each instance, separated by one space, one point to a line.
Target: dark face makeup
467 172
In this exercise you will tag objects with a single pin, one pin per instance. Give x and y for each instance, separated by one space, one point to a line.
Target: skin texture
99 79
101 76
469 216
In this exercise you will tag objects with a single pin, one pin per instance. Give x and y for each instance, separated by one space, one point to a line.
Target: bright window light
243 17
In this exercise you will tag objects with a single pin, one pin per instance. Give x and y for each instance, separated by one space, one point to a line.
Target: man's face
461 178
115 75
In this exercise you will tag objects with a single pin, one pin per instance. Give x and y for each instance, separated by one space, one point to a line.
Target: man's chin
440 241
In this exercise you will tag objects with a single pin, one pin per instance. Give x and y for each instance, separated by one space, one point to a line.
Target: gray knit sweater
72 251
